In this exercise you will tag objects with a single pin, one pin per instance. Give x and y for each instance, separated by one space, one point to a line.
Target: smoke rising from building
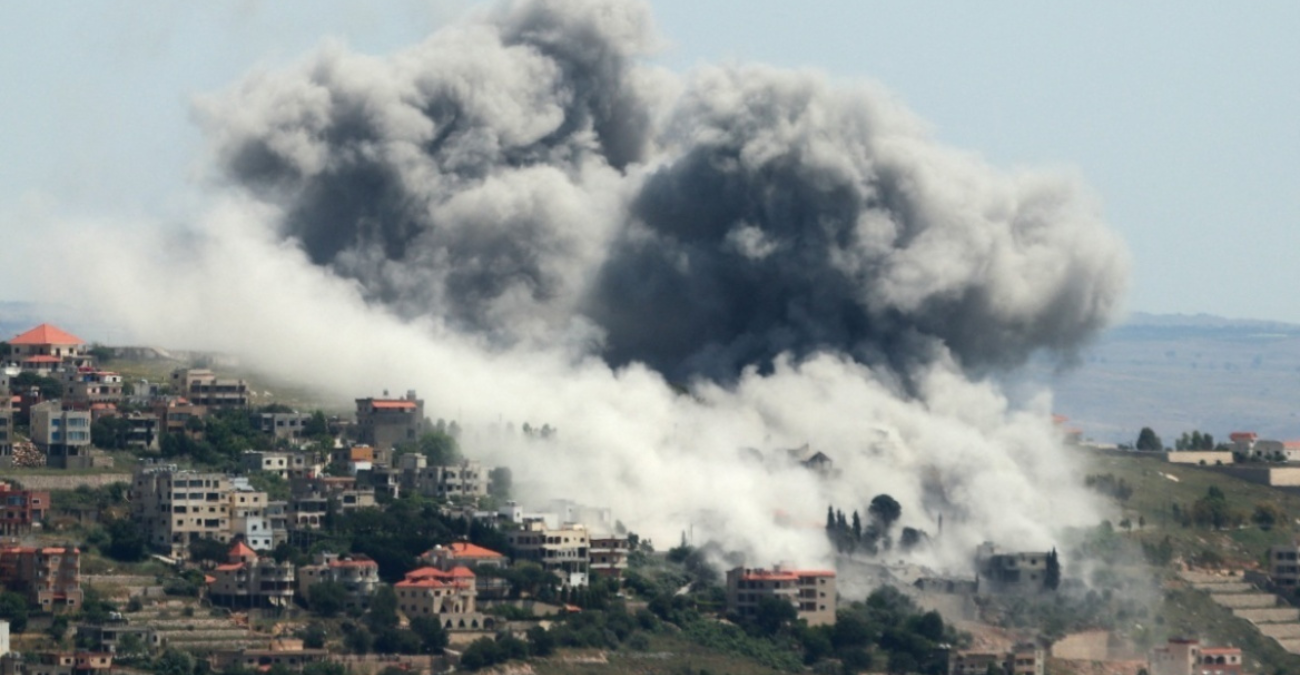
524 221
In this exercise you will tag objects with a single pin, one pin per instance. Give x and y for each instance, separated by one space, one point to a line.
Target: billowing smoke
523 220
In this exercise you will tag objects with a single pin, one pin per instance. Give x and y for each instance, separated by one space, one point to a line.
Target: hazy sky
1184 117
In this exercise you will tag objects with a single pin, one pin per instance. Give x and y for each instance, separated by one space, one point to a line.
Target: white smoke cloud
515 216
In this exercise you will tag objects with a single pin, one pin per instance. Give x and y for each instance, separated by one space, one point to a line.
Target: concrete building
66 663
178 506
283 425
49 341
248 519
251 581
1025 572
202 387
473 557
1023 659
62 434
466 479
609 555
1284 565
358 574
142 430
50 577
20 509
383 422
91 385
287 465
313 497
288 653
812 592
108 637
1188 657
448 595
4 637
177 415
563 551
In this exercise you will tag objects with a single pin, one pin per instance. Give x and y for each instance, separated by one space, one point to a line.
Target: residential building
49 341
312 499
177 415
1181 656
464 479
1024 659
1243 442
358 574
812 592
248 519
354 458
283 425
563 551
609 555
49 576
62 434
108 636
287 465
448 595
67 663
91 385
1284 565
289 653
1023 572
474 557
383 422
202 387
4 637
178 506
248 580
20 509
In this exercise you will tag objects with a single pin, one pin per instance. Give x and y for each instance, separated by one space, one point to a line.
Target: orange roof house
46 340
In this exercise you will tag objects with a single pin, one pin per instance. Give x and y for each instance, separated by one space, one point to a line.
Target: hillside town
248 536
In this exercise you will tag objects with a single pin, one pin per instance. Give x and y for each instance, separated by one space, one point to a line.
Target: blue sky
1183 117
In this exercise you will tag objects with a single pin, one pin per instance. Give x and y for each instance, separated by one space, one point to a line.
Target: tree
327 597
126 540
774 614
1148 440
433 639
1267 514
500 482
540 641
13 608
1052 575
313 636
174 662
209 549
885 510
383 609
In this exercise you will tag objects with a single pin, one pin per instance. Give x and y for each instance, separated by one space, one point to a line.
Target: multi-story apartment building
62 434
283 425
1284 565
203 387
175 415
289 654
464 479
248 519
6 424
287 465
91 385
20 509
564 551
1022 572
1187 657
383 422
141 430
358 574
251 581
178 506
50 577
812 592
609 555
1025 658
313 497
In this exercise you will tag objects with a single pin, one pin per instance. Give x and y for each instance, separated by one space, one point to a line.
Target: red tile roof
46 334
240 550
229 567
464 549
